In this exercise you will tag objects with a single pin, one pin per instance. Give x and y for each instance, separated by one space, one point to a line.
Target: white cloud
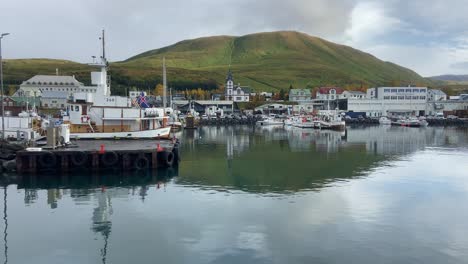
368 22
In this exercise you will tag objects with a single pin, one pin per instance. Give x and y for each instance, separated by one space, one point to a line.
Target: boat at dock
385 121
410 122
102 116
330 121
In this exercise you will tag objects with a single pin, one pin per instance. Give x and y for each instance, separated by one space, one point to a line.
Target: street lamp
1 85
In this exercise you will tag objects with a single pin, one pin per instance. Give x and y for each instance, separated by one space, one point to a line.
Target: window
415 90
408 90
394 90
394 97
408 97
422 90
401 98
62 105
238 98
401 90
415 97
77 108
422 97
386 90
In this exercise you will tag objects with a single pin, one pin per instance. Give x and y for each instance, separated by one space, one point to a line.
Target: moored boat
385 121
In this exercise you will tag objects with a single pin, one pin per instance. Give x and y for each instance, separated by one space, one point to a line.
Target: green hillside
264 61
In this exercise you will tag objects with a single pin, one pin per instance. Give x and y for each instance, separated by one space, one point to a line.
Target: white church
236 93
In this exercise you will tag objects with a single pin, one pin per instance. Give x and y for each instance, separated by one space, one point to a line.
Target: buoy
159 148
102 150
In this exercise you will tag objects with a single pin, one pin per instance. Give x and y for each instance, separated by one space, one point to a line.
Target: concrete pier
99 155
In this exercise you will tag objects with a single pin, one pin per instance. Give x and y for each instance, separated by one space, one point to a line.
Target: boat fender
79 159
141 163
167 158
47 160
109 158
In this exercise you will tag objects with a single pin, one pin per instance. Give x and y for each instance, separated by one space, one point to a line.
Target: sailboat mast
164 83
103 45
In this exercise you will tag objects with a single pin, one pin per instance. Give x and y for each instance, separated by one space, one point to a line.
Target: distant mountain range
263 61
451 78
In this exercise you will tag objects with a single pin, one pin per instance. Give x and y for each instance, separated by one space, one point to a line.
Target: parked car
452 117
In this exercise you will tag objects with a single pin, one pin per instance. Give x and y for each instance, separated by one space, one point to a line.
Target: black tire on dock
109 159
167 158
79 159
47 160
141 163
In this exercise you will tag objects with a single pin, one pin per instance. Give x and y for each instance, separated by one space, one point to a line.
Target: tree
282 94
159 90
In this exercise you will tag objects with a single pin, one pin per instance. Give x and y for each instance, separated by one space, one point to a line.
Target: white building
436 95
392 101
52 83
236 93
300 95
354 94
329 93
54 100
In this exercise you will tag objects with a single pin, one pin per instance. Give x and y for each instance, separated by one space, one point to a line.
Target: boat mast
164 84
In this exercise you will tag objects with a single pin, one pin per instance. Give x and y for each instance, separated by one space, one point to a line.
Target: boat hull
154 133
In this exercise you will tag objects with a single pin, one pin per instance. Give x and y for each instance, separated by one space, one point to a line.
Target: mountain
264 61
451 78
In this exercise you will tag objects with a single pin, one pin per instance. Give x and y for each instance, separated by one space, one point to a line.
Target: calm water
246 195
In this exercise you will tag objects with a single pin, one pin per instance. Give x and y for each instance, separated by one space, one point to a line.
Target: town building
329 93
236 93
300 95
35 86
436 95
205 106
54 100
354 94
277 109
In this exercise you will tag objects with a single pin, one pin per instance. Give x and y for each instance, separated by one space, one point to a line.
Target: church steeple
229 86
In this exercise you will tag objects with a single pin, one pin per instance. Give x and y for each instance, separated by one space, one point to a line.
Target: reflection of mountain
283 160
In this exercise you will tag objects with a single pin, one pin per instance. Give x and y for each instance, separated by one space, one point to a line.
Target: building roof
52 80
326 90
54 94
296 92
356 92
438 92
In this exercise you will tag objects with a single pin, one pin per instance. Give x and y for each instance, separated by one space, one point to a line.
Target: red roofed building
329 93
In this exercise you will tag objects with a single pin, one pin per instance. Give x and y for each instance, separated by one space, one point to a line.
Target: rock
7 156
9 165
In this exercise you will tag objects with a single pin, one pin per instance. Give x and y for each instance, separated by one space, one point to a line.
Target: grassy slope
265 61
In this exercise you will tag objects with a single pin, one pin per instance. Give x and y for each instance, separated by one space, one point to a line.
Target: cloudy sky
428 36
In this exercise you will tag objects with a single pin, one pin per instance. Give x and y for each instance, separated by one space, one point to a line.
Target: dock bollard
102 150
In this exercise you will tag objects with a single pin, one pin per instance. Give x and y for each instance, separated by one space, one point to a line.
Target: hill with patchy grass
264 61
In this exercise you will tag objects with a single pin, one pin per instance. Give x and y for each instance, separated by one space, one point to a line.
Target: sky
427 36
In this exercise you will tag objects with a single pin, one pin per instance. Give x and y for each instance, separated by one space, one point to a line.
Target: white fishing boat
303 122
385 121
102 116
330 121
410 122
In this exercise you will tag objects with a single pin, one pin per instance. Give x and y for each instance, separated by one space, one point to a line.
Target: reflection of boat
410 122
270 122
385 121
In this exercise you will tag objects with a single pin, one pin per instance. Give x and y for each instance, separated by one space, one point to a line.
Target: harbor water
255 195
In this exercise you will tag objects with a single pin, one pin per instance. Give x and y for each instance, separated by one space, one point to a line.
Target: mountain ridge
266 61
